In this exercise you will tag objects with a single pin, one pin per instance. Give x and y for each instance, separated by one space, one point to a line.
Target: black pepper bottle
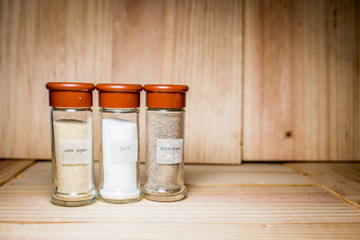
165 116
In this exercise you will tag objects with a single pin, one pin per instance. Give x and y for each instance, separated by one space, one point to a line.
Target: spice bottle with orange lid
165 116
119 153
72 143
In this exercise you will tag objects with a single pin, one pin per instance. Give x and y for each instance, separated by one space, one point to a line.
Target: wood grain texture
301 80
297 98
45 41
155 230
340 179
248 174
212 212
198 43
10 168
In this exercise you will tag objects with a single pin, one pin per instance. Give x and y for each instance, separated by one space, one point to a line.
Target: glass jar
72 143
119 152
164 162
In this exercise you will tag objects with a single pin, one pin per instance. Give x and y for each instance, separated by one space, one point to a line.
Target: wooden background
269 80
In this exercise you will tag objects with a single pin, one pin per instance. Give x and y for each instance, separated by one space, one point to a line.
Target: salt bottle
164 161
72 143
119 153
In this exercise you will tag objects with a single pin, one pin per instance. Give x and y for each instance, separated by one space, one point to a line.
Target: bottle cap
70 94
166 95
119 95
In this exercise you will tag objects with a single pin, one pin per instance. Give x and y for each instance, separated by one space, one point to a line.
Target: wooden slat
226 211
198 43
340 179
45 41
10 168
20 101
181 231
301 80
344 79
247 174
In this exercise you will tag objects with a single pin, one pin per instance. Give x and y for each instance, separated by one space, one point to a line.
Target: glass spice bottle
164 162
72 143
119 153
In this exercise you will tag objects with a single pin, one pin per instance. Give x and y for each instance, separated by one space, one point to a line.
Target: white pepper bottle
164 163
72 143
119 152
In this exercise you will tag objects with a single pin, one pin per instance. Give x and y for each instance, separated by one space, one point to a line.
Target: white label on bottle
75 152
169 151
124 151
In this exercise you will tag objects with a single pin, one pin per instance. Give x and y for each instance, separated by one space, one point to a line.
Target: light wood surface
44 41
198 43
246 208
340 179
248 174
186 42
286 72
11 168
301 80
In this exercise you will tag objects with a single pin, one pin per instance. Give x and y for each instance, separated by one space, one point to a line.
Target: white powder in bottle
73 154
119 159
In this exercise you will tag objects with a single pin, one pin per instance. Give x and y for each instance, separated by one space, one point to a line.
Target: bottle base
119 197
165 197
120 201
73 201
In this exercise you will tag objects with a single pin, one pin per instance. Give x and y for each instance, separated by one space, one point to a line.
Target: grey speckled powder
166 178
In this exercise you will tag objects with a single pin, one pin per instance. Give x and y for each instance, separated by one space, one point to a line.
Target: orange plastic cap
166 96
70 94
119 95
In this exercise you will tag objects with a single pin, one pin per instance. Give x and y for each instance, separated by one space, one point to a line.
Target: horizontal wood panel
10 168
248 174
187 230
227 211
340 179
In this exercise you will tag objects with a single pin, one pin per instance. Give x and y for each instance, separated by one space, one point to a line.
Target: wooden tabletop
251 201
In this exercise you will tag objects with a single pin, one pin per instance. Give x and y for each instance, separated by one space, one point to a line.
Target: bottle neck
67 109
166 109
119 110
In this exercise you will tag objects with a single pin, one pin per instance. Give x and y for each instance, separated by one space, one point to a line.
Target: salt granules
119 159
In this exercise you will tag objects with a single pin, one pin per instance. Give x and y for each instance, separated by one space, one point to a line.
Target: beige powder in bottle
73 155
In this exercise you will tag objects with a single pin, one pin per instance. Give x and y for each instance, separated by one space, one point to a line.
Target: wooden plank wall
45 41
286 72
198 43
301 80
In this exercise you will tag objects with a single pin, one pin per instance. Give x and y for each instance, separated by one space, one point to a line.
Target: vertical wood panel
198 43
343 27
301 71
45 41
17 100
301 74
137 47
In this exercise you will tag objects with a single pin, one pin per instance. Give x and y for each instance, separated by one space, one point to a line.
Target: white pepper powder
73 156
